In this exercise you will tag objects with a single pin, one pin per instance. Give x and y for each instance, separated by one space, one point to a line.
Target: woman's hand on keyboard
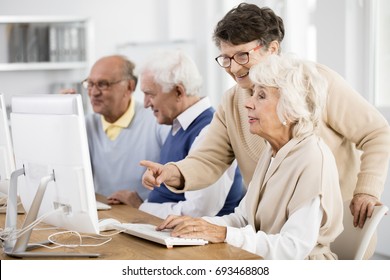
188 227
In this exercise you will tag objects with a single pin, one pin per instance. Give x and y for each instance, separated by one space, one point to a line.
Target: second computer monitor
7 162
50 143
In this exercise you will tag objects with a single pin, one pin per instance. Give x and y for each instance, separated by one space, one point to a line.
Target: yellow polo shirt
112 130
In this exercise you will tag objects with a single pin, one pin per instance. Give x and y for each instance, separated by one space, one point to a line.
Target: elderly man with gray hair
172 86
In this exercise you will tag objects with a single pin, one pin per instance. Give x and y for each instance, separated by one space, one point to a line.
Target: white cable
80 237
8 234
13 234
37 221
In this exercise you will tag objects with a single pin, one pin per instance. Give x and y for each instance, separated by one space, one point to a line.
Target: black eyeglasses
101 85
240 57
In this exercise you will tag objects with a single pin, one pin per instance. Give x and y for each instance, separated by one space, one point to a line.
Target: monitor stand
19 248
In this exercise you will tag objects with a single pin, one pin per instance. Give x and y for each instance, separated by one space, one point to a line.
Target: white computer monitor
51 149
7 161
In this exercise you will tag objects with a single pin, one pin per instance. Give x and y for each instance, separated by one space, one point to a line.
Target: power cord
67 239
9 234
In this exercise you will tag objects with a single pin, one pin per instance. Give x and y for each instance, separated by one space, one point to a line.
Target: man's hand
68 91
362 206
125 197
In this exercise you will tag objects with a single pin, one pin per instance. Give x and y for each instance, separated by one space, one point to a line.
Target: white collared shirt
188 116
205 202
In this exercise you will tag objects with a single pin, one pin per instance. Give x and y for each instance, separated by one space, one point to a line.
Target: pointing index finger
149 164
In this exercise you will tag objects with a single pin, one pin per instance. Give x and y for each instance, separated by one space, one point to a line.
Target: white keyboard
149 232
3 198
102 206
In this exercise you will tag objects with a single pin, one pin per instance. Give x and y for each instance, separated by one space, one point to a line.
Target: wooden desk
126 247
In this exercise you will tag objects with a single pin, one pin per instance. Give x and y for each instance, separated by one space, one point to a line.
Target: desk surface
125 247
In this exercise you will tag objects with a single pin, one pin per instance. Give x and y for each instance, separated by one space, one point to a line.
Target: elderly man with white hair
172 84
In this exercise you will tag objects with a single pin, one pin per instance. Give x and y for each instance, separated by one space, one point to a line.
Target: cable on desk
8 234
71 234
79 242
13 234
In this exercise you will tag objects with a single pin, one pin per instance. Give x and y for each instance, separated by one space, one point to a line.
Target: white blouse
296 239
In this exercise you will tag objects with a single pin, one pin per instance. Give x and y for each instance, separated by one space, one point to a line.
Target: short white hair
173 67
302 90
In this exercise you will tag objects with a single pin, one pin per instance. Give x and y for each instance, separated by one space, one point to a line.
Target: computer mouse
108 224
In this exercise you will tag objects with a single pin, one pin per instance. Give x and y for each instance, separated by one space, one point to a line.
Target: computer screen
7 162
50 139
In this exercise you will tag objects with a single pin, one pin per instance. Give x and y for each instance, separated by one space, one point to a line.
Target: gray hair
128 70
302 90
173 67
127 67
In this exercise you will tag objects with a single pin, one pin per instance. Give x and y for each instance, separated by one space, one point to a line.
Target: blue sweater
176 148
115 164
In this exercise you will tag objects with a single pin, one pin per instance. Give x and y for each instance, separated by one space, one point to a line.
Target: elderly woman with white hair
293 206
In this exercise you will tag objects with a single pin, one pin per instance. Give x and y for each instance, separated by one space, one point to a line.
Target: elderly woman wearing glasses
293 208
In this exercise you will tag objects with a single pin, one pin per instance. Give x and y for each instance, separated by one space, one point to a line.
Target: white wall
119 22
115 21
338 40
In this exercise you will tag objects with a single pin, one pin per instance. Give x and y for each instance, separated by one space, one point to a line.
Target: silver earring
284 123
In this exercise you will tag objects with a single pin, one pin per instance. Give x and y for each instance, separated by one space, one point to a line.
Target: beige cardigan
302 170
349 122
